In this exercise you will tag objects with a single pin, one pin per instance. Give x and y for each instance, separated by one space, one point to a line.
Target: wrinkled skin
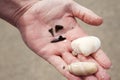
44 15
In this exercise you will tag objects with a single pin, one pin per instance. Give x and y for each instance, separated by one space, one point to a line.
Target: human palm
35 25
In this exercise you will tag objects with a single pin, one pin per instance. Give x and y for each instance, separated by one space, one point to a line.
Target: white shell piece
74 53
86 45
82 68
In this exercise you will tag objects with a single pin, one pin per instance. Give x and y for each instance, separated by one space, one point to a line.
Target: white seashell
82 68
86 45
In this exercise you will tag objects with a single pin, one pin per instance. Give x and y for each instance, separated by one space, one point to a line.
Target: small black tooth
58 27
51 31
54 41
61 38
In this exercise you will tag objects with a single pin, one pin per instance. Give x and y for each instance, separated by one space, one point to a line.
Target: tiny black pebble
58 27
51 31
63 67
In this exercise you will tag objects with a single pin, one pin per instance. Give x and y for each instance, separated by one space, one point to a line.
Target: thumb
85 14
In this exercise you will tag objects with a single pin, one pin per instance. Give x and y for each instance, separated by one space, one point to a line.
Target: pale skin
34 21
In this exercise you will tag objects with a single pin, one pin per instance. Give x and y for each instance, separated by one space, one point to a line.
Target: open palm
38 28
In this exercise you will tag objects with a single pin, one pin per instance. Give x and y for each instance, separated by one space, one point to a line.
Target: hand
43 16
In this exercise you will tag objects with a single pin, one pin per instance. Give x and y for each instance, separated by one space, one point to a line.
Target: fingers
85 14
60 64
101 74
99 56
102 59
69 58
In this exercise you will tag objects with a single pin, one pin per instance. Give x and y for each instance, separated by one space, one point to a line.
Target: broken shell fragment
74 53
82 68
86 45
